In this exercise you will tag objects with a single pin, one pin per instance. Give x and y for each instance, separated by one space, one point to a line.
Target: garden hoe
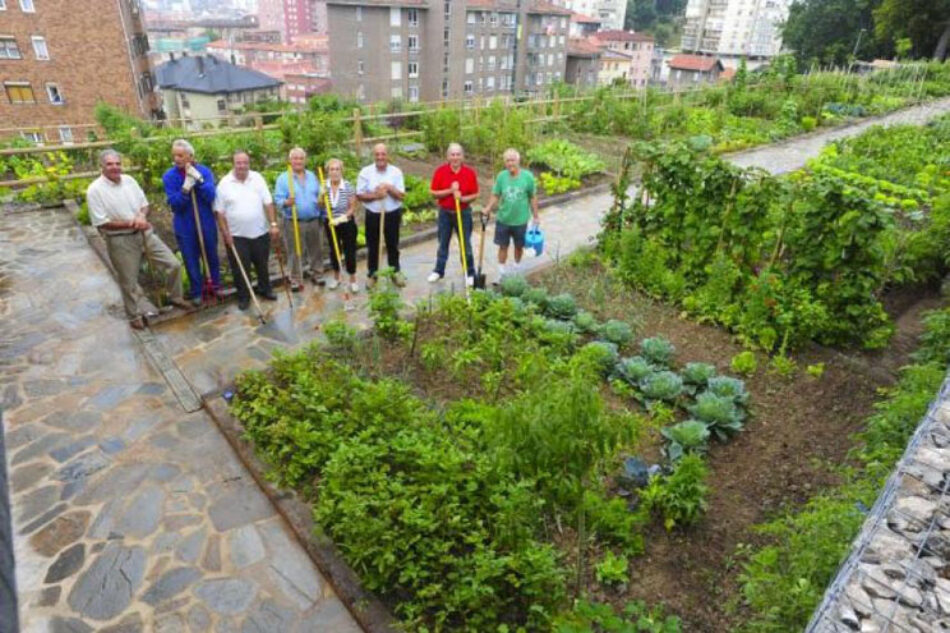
461 228
336 242
208 291
247 284
480 279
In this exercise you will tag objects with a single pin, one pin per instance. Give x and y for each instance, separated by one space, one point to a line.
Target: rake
208 292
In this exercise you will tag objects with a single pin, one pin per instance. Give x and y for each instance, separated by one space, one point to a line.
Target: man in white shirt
381 186
245 212
119 209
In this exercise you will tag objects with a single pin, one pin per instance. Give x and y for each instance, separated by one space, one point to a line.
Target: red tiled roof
694 62
579 47
727 74
540 6
614 35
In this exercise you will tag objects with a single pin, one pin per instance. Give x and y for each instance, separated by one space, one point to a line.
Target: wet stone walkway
131 515
128 514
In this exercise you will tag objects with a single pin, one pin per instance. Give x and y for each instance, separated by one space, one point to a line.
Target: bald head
380 156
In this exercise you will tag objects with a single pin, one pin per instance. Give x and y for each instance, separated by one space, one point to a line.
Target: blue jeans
448 224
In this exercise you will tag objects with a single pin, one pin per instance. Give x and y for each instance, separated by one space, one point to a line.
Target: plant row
780 260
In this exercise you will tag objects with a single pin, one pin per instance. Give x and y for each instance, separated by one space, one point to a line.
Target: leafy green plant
690 436
744 363
340 335
561 306
729 387
635 617
384 306
554 185
657 350
662 385
617 332
565 159
680 497
586 323
783 366
816 370
635 369
513 285
600 355
720 414
612 570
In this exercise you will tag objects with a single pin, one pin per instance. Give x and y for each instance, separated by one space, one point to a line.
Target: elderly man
189 189
380 186
300 194
119 209
245 212
451 181
516 197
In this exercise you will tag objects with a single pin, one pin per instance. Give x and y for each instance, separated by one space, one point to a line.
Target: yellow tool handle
458 216
326 201
293 212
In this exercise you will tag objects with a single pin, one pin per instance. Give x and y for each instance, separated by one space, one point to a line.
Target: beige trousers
312 239
126 252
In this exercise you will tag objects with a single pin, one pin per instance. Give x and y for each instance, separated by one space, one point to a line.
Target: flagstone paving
128 513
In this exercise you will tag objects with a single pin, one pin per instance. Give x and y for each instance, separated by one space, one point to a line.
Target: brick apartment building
58 58
426 50
292 17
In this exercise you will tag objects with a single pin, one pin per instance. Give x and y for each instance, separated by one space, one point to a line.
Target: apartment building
610 13
290 17
583 63
637 47
53 72
733 29
425 50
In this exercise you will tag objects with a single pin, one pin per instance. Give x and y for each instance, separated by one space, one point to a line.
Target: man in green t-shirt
516 197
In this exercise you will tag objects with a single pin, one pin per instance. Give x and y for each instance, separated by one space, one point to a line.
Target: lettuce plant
662 385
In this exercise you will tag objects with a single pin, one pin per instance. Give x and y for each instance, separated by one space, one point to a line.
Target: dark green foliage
586 323
513 285
635 369
636 617
617 332
680 497
561 306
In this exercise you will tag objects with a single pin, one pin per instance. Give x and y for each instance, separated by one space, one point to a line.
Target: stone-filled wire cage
897 577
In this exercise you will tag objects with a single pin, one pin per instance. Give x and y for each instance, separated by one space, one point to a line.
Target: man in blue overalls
187 177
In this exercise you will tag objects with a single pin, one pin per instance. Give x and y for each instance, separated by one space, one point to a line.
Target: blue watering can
534 238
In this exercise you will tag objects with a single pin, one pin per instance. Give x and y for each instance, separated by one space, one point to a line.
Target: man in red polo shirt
450 181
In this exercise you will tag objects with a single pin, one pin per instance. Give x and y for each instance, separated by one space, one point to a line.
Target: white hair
453 147
334 161
297 151
181 143
106 154
512 153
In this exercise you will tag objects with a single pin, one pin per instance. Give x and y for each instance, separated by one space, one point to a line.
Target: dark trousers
254 252
190 247
390 234
346 235
448 224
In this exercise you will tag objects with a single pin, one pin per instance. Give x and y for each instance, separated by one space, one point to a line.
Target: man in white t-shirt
119 209
381 186
245 212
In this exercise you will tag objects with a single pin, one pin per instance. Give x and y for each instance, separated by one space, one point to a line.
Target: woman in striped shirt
343 204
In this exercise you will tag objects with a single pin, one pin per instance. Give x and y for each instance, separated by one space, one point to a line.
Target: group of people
296 218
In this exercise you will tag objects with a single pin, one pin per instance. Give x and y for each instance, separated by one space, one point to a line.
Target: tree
826 31
925 22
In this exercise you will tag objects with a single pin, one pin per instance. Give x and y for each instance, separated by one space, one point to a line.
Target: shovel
208 291
480 277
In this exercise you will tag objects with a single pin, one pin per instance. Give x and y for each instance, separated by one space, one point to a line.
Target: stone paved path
128 515
131 515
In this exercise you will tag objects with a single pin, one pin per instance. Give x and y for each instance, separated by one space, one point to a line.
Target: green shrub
636 617
599 355
612 570
680 497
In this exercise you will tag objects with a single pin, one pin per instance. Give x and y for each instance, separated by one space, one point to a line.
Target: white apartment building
611 12
735 28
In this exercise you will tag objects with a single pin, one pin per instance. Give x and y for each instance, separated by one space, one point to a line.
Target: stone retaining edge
9 615
364 606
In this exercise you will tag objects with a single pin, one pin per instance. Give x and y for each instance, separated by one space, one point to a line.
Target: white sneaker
333 284
470 281
502 270
354 287
433 277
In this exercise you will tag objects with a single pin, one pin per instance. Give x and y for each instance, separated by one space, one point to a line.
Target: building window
494 19
19 92
468 88
27 6
490 83
413 94
470 42
395 43
413 16
493 42
33 137
222 105
55 96
396 92
395 16
413 42
396 71
359 14
412 68
39 47
8 48
361 92
360 67
66 134
471 17
469 65
359 39
491 63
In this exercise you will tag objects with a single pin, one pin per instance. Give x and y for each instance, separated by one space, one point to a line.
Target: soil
800 426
